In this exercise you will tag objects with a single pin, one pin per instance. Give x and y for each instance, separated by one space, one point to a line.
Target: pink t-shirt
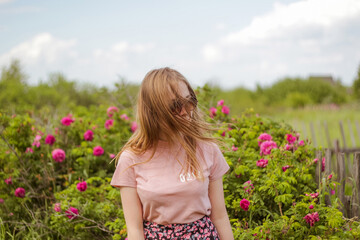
167 195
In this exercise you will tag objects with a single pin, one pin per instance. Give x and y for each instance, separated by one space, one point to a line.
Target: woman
170 171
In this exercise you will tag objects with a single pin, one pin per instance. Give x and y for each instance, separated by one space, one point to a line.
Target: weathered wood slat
313 137
318 167
356 192
341 179
357 129
328 139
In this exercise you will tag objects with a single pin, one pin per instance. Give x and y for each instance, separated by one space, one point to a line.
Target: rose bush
270 191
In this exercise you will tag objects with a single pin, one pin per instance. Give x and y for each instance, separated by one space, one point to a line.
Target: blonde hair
154 115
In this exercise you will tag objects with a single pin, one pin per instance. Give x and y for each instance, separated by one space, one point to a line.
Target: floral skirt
200 229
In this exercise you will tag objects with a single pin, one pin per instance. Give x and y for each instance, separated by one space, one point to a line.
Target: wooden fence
351 204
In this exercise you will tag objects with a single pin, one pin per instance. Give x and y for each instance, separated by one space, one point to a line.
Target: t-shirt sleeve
124 175
219 166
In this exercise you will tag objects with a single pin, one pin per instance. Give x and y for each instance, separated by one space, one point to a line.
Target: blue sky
229 43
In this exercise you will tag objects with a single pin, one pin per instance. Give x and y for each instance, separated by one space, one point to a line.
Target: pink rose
20 192
262 163
50 139
264 137
234 148
67 121
98 151
330 176
311 206
36 141
225 110
289 147
315 160
266 147
212 111
124 117
109 123
88 135
58 155
134 126
290 138
311 218
72 213
81 186
29 150
323 165
8 181
244 204
57 207
111 110
111 155
285 168
301 143
1 200
332 191
220 103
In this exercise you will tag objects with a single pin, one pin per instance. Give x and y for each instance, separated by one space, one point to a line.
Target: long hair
154 114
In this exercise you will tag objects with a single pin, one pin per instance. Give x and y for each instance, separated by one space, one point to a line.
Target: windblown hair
154 115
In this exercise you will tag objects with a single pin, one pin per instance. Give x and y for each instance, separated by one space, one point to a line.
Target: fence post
327 171
327 134
341 179
318 155
313 134
356 194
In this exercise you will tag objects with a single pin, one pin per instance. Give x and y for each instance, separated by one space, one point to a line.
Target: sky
233 43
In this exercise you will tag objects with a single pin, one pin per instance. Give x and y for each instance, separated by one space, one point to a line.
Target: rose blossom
220 103
313 195
134 126
81 186
57 207
330 176
20 192
36 141
323 164
285 168
88 135
58 155
301 143
332 191
315 160
290 138
262 163
244 204
111 110
289 147
50 139
311 218
8 181
234 148
311 206
264 137
111 155
212 111
265 147
72 212
29 150
1 200
109 123
225 110
67 121
98 151
124 117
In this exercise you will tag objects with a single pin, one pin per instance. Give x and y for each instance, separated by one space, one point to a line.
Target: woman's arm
133 213
219 215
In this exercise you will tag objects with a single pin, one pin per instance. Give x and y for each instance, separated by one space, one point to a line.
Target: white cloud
41 49
295 39
45 53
